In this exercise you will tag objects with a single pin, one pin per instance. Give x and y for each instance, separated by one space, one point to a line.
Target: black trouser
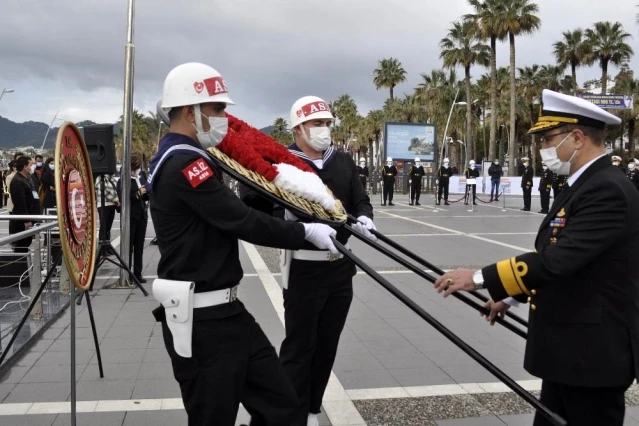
106 215
527 196
469 188
545 199
443 187
136 252
232 362
415 188
20 246
581 406
316 305
389 188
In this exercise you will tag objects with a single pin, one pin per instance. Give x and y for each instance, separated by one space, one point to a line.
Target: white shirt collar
572 179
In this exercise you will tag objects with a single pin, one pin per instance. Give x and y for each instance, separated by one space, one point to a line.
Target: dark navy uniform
363 175
526 186
443 175
319 292
388 179
415 175
198 221
471 174
545 184
558 184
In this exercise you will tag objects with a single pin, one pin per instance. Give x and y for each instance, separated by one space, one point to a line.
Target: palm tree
608 43
488 20
519 17
281 133
462 47
375 121
389 74
571 51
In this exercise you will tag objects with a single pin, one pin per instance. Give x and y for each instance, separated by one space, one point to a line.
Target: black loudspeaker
100 144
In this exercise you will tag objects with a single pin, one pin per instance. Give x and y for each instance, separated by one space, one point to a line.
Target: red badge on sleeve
197 172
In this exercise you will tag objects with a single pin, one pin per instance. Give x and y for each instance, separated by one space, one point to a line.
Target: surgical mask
549 156
496 163
631 166
615 163
472 166
389 164
51 166
39 164
319 138
544 167
526 164
32 169
218 128
446 164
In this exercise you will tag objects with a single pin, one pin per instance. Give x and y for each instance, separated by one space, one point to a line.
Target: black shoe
543 211
525 209
474 203
410 204
446 203
491 200
383 204
141 279
154 241
417 203
437 203
390 203
496 199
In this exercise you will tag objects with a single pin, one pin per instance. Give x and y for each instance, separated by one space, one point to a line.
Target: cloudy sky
68 55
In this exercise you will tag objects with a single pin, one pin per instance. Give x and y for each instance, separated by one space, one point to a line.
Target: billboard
609 101
405 141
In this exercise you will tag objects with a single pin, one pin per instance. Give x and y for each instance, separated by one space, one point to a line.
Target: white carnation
303 184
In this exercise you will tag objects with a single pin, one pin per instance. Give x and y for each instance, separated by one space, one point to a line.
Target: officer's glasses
547 138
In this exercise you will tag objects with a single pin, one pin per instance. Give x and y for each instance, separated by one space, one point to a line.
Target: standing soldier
527 183
633 174
389 171
219 353
471 173
495 172
415 174
363 172
545 184
443 177
318 287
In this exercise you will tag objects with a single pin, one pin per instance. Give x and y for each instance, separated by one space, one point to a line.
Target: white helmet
471 162
362 160
417 160
389 159
193 84
309 108
446 160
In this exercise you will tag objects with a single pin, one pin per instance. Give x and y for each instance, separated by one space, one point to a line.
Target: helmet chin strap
198 118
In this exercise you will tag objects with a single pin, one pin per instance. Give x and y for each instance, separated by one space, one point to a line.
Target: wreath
261 154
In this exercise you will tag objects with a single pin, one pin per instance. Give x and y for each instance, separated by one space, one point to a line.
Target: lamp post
6 91
55 117
450 114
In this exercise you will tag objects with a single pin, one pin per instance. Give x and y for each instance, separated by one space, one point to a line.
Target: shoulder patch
197 172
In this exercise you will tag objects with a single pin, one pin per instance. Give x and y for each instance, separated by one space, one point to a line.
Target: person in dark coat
25 202
545 185
582 281
47 185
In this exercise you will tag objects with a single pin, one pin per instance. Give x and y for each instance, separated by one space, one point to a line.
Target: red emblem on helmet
199 86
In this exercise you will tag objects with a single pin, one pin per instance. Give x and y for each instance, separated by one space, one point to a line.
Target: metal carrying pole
127 124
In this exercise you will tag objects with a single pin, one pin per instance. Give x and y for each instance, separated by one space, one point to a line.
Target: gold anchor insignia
561 213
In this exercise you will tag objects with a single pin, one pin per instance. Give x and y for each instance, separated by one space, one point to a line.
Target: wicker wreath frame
299 206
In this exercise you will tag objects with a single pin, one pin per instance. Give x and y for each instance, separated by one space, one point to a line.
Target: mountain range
31 133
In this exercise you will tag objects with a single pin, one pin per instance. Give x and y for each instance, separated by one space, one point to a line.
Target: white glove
410 181
320 235
363 226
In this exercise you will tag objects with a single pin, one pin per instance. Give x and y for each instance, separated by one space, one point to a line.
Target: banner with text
610 101
405 141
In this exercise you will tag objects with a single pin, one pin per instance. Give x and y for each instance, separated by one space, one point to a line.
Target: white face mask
51 166
472 166
446 164
319 138
525 164
544 167
496 163
549 156
389 163
615 163
39 164
219 127
32 169
631 166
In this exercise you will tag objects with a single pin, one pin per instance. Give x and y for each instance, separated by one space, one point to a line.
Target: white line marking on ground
162 404
338 406
488 240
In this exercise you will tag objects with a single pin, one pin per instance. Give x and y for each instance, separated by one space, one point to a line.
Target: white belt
317 255
214 298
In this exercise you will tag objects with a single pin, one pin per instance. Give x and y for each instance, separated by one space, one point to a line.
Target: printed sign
609 101
406 141
75 196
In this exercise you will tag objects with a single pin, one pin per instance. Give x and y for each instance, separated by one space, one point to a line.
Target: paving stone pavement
392 368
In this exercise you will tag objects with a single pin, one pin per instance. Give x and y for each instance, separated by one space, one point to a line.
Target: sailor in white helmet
471 175
415 175
389 171
318 287
443 179
363 172
220 355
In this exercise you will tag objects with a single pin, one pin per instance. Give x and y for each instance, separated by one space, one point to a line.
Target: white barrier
509 185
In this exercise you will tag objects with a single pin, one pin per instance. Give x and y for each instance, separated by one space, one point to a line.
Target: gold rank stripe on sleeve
511 273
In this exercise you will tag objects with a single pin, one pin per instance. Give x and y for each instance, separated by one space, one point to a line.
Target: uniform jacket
199 221
582 283
389 173
559 182
444 172
24 201
545 183
416 172
633 175
472 174
363 172
527 177
138 201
